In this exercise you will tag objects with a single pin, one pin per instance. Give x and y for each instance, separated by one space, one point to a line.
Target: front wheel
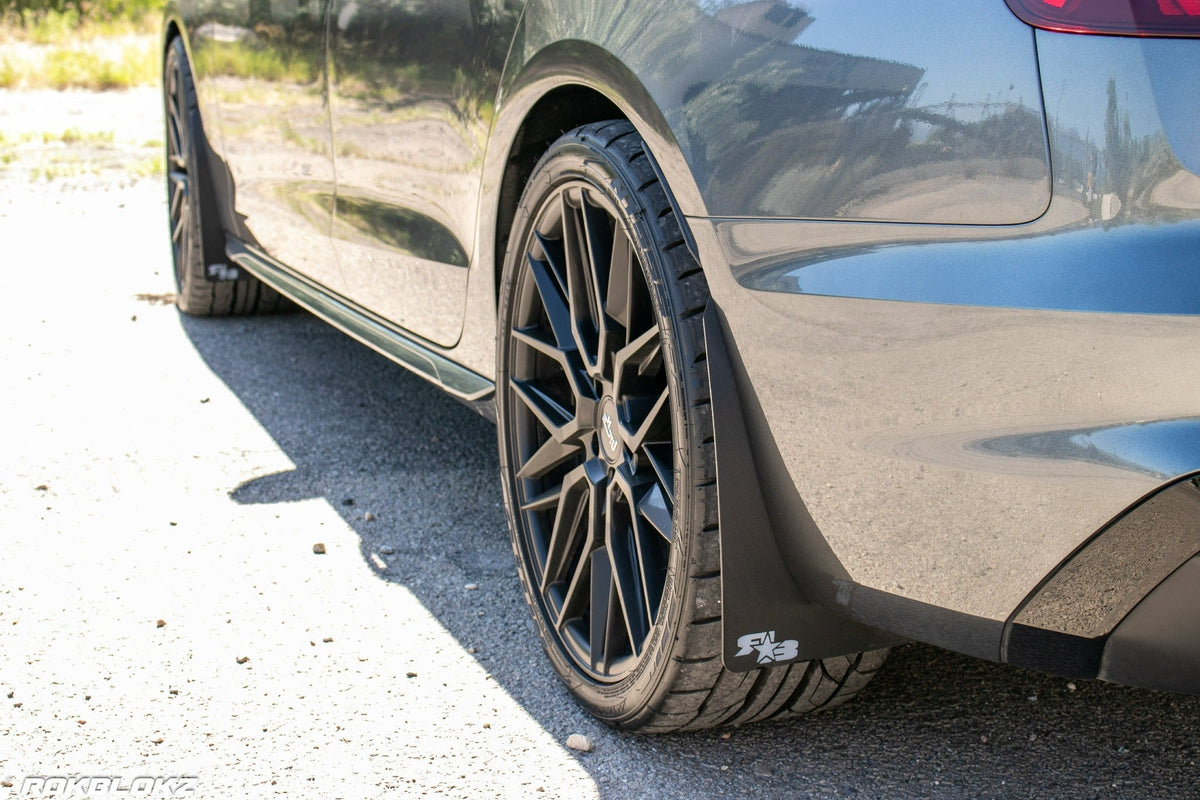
607 455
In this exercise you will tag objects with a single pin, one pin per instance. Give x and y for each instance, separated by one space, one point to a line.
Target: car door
266 68
412 92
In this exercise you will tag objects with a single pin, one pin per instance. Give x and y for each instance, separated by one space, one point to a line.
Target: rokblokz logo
108 786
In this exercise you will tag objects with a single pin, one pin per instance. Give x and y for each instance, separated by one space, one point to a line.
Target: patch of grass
41 23
62 166
82 69
57 67
73 135
149 167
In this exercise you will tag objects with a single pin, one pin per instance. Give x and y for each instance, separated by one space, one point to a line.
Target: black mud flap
766 617
216 268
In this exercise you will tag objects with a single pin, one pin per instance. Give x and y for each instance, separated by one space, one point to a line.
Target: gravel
162 611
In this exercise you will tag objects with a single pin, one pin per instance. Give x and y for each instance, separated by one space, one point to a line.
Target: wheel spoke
544 501
600 617
587 275
549 412
553 300
648 411
641 350
179 229
653 507
659 456
578 514
622 265
568 363
549 455
623 555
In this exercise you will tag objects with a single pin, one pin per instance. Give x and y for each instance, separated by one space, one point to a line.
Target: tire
197 252
606 451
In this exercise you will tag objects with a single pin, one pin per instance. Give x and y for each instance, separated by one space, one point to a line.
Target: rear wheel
199 264
607 454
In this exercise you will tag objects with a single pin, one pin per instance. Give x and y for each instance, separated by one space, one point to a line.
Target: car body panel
863 136
963 406
413 97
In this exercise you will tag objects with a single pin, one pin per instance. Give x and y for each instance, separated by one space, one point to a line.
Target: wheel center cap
606 425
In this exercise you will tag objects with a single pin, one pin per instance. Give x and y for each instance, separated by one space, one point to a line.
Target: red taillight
1112 17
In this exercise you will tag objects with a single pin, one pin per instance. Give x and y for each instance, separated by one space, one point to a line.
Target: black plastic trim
473 389
1158 645
759 594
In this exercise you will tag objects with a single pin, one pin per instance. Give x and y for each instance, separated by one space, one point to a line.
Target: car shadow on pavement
415 475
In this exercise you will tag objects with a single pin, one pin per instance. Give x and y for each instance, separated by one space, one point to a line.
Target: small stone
243 659
368 517
87 697
204 400
387 550
983 740
487 724
349 501
472 650
577 741
1122 751
173 690
726 735
17 705
10 695
319 548
82 721
327 639
1032 698
1033 737
41 487
157 740
1071 686
6 784
410 674
162 623
470 587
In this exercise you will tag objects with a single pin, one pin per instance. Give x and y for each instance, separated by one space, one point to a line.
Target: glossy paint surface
413 98
991 397
833 109
262 65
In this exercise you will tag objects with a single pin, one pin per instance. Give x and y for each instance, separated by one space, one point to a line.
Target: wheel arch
561 87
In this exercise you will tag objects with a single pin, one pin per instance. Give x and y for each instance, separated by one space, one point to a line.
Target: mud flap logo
769 651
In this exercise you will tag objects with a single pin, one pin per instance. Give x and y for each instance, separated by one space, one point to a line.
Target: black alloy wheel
607 454
591 431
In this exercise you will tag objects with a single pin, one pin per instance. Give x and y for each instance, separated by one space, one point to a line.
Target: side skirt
375 332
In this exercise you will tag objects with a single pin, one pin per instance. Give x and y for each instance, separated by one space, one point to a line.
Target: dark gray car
809 328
